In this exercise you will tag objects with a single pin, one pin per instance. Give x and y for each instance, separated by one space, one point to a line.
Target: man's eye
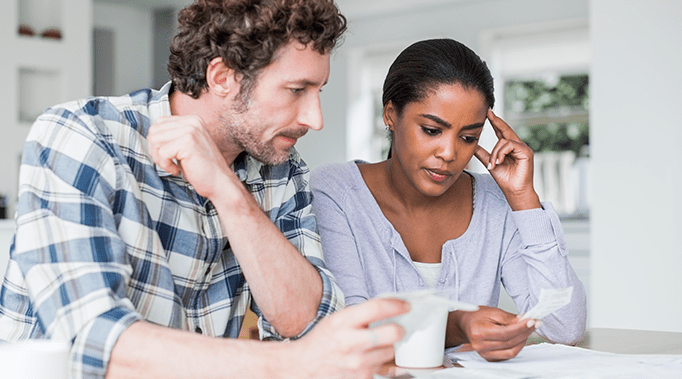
296 91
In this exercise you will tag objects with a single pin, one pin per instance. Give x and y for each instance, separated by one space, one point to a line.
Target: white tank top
430 273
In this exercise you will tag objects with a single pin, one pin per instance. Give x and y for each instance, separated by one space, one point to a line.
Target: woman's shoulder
485 186
334 175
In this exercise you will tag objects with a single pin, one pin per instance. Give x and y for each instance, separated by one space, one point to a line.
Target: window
541 86
551 115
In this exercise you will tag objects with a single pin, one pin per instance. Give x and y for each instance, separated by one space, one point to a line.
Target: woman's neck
403 190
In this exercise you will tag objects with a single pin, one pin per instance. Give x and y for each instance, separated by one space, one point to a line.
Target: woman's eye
296 91
469 139
430 131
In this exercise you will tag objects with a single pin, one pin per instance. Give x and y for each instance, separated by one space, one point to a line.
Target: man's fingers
373 359
361 315
383 335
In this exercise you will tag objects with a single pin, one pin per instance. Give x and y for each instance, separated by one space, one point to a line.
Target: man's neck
182 104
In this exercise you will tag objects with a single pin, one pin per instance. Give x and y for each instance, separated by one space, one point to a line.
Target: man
148 223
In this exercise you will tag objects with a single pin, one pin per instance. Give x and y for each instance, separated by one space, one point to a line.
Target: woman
419 220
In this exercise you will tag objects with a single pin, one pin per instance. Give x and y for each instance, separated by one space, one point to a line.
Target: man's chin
272 159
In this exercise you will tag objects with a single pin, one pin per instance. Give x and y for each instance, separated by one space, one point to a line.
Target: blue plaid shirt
104 237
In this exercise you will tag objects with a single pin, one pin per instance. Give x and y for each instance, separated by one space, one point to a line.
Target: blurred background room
593 86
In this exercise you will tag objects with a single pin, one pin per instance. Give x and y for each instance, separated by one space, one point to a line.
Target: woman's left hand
511 165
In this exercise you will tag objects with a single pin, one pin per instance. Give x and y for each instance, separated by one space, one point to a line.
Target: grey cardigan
524 251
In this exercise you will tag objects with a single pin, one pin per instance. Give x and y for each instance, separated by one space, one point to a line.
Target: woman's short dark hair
427 64
246 34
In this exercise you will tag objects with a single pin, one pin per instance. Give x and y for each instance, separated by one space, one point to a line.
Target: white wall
133 43
6 234
464 21
636 137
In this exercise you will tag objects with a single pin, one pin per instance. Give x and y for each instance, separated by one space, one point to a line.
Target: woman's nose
446 150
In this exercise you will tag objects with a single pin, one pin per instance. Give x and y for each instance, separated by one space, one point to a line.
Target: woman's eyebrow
446 124
437 120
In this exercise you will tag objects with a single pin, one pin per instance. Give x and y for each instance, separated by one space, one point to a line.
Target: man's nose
310 114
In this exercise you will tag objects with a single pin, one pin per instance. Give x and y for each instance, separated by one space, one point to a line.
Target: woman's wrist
524 201
455 334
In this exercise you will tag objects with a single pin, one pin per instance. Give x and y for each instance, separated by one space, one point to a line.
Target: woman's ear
221 80
389 115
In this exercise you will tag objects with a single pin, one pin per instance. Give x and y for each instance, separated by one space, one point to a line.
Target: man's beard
248 136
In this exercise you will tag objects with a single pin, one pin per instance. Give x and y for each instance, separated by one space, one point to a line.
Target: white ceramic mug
424 347
34 359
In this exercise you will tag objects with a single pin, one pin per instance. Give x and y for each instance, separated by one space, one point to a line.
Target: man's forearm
287 288
145 350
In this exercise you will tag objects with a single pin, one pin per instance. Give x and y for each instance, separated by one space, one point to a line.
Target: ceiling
350 8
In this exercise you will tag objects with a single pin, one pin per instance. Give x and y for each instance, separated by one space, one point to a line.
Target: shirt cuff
92 347
540 226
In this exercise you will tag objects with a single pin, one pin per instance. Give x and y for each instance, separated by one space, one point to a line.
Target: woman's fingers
482 155
502 129
503 148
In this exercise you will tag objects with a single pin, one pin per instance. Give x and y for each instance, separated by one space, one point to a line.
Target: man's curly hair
246 34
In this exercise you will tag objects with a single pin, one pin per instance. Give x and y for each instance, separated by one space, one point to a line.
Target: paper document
550 300
423 303
547 360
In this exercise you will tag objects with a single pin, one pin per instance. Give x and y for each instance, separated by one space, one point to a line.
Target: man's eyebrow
446 124
306 83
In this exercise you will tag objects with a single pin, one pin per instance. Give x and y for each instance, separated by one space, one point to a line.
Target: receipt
550 300
423 305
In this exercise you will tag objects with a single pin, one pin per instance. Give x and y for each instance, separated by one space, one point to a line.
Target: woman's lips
437 175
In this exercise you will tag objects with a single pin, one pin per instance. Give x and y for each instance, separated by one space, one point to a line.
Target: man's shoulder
98 116
133 109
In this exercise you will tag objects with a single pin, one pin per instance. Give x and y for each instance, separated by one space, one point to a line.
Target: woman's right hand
495 334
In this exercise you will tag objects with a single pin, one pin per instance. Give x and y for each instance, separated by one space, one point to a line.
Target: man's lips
292 137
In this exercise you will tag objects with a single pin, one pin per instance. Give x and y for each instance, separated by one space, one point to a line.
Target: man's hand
495 334
182 145
343 345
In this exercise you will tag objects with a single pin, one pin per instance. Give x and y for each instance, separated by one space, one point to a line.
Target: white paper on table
546 361
549 301
423 304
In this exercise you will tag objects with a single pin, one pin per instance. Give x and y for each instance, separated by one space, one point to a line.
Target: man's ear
221 79
389 115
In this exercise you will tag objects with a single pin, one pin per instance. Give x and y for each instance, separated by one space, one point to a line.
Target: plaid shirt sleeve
66 245
293 216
